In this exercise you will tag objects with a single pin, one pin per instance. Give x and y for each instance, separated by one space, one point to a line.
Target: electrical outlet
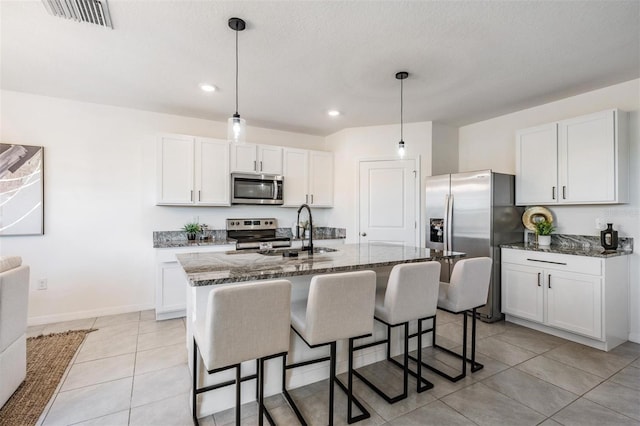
42 284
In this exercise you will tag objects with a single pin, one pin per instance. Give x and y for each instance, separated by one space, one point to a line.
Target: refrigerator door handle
448 216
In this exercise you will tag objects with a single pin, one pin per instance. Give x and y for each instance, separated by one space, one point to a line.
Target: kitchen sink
295 252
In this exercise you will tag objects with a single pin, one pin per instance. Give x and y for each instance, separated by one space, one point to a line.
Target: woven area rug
47 359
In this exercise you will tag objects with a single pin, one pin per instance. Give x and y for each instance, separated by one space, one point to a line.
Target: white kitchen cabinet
171 281
251 158
308 178
584 299
583 160
192 171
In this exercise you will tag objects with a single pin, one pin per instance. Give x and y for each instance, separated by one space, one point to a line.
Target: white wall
491 144
99 201
375 142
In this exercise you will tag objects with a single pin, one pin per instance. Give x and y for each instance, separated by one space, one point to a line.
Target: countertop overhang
213 268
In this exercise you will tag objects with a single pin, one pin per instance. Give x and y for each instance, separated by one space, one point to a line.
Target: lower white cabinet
580 298
171 281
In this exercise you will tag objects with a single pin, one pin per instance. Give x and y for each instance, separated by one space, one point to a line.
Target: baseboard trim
70 316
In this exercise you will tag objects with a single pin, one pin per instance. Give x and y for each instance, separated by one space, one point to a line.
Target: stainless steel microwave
256 189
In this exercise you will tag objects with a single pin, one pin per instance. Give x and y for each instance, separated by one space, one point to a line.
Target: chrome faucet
310 247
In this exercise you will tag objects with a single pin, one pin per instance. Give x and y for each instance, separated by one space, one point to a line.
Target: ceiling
468 60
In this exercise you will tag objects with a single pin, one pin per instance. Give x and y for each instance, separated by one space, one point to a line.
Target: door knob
364 234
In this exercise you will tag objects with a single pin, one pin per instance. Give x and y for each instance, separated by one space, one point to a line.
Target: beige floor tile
593 361
537 394
629 377
248 413
160 358
59 327
618 398
117 319
435 413
443 317
572 379
35 330
315 409
120 418
503 351
154 326
172 411
112 331
148 315
99 371
636 363
106 348
549 422
531 340
491 366
627 349
161 384
89 402
171 336
584 412
485 406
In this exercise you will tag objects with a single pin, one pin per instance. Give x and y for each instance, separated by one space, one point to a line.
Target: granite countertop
589 251
237 266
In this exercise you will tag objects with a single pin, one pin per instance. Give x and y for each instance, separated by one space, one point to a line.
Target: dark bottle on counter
609 238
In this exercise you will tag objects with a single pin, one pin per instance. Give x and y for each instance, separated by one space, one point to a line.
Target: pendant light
401 76
236 127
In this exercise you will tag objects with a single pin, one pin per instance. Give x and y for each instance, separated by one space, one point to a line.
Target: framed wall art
21 189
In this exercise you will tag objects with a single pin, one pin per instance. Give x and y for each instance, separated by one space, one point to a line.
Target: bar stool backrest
469 284
340 306
246 322
412 291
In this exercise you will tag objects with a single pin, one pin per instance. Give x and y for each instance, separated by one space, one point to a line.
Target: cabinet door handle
549 280
553 192
199 198
306 198
564 192
546 261
261 166
255 165
191 195
539 274
311 198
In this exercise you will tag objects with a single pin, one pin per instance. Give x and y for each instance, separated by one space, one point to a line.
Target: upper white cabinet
251 158
583 160
192 171
308 178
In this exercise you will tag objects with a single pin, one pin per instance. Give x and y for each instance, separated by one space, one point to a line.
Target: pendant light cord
401 107
236 72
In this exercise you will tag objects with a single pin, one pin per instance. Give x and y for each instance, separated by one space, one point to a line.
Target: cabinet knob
364 234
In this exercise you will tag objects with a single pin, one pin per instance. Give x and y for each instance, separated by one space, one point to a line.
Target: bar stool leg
260 367
194 409
332 378
238 389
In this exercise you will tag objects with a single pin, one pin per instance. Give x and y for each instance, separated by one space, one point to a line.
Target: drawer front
555 261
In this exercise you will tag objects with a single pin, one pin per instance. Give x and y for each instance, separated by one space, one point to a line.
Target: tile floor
133 371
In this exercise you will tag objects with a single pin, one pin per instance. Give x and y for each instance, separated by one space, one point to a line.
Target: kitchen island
204 270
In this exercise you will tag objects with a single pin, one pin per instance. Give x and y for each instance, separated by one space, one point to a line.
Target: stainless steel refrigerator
473 212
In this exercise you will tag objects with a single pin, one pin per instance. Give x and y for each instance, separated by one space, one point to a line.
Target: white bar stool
467 291
243 322
411 294
339 306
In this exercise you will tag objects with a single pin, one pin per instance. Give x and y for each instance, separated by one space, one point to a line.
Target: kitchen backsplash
585 241
320 233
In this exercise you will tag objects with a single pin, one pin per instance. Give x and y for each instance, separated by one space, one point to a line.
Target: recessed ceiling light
207 87
333 113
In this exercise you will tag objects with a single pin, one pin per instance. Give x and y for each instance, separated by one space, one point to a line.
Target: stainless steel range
255 233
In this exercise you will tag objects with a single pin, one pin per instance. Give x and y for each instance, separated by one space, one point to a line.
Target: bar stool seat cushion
468 287
244 322
325 318
408 295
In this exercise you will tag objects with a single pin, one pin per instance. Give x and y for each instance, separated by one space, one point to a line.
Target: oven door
256 189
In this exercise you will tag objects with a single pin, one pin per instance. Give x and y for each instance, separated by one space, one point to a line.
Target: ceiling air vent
91 11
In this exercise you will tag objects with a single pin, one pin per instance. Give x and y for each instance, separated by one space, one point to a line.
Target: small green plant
191 228
544 228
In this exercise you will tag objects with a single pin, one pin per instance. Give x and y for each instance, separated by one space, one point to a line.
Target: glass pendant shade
401 149
237 129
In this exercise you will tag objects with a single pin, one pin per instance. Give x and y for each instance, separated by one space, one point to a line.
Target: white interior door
388 196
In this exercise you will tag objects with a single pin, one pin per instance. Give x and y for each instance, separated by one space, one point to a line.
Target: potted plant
191 228
543 232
